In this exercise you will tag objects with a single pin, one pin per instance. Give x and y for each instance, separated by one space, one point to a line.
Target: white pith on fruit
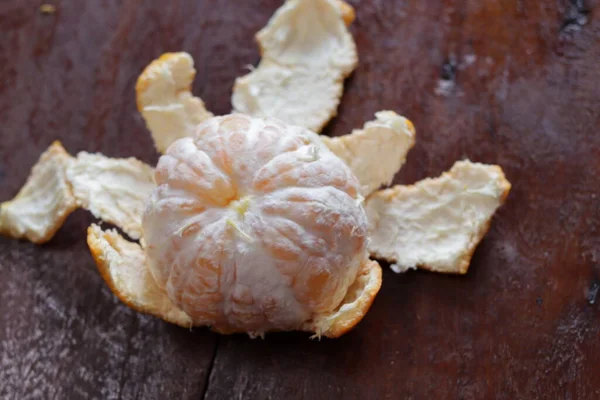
255 226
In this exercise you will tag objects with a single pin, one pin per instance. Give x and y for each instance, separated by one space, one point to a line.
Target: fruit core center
241 205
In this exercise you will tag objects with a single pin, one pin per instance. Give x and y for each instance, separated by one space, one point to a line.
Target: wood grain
511 82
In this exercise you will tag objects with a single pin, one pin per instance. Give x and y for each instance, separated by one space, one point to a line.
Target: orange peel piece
123 266
354 307
307 52
347 11
376 152
437 223
114 190
44 202
164 98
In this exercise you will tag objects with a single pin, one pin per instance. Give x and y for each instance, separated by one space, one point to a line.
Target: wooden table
511 82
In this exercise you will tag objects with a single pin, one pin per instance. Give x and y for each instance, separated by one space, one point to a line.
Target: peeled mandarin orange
255 226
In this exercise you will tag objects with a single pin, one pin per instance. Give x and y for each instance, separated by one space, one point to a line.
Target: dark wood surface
511 82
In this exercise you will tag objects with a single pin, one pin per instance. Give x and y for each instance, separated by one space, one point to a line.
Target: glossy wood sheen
511 82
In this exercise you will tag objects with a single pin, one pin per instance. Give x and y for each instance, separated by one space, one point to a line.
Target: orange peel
45 201
307 52
123 266
112 189
347 11
377 152
164 98
437 223
354 307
